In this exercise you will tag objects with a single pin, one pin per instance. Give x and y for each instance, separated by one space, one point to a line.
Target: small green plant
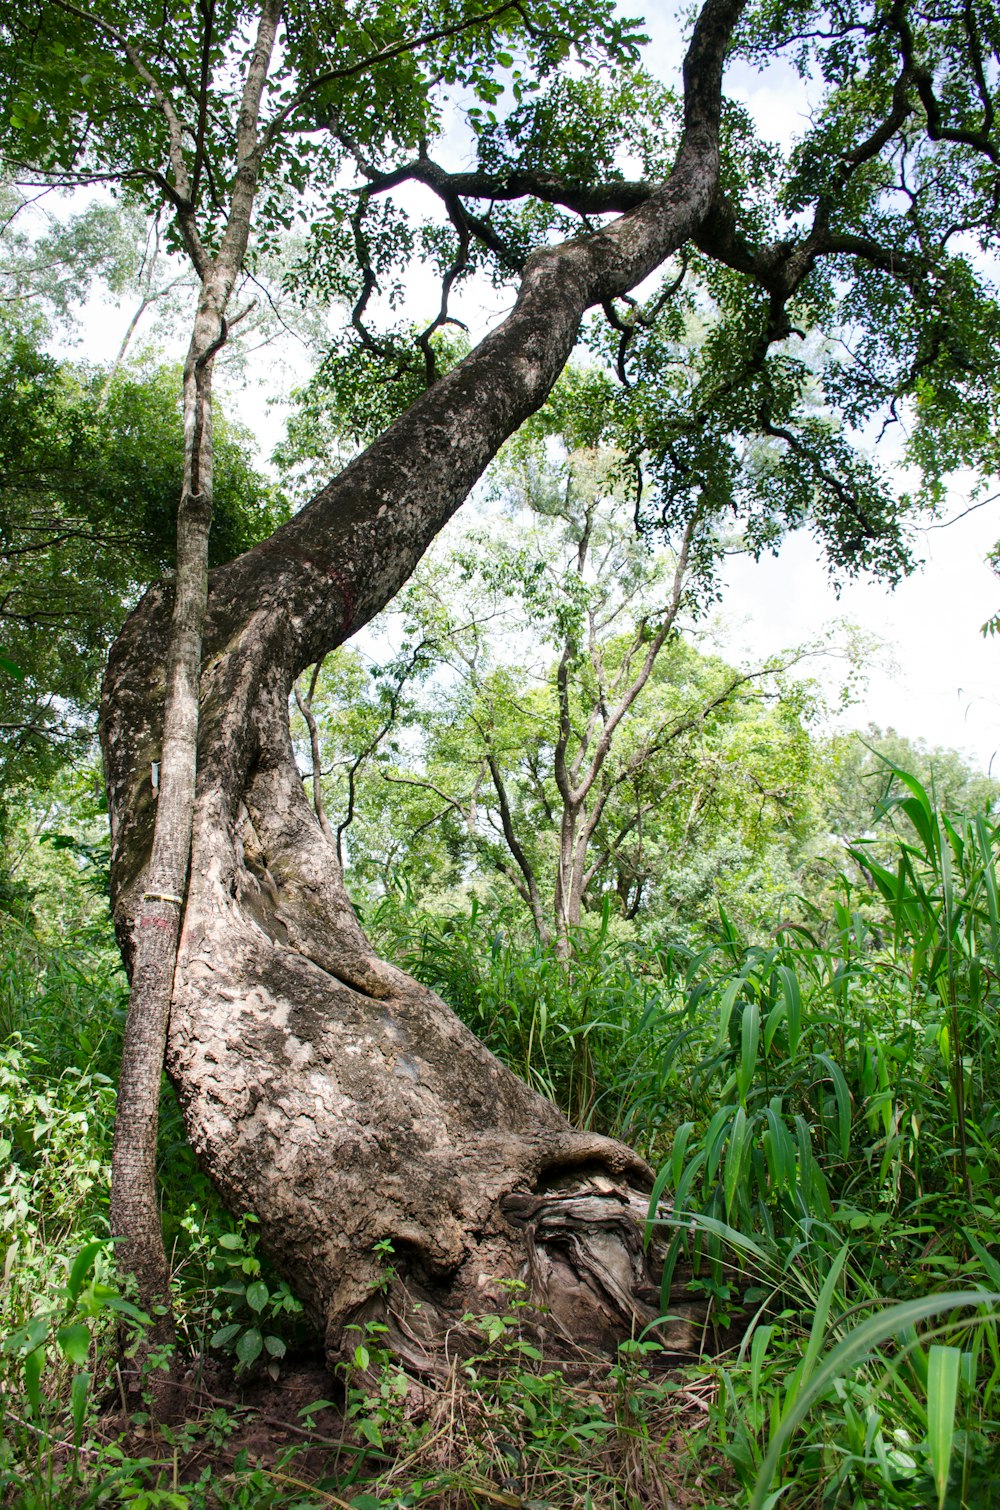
63 1337
376 1389
252 1309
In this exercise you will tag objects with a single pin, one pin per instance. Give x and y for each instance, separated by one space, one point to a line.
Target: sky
933 675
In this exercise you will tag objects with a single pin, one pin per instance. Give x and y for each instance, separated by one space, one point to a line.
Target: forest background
668 1005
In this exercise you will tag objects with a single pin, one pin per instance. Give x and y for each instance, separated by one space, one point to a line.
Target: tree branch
304 705
513 844
579 793
179 192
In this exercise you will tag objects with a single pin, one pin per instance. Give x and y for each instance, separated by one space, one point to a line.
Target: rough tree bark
135 1217
324 1090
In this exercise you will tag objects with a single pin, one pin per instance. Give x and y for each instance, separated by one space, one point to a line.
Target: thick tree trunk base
396 1168
352 1114
398 1171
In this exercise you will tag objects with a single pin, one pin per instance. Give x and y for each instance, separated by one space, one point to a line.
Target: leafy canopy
90 473
837 293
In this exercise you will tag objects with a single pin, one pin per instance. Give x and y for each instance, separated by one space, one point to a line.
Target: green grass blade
942 1395
793 1005
844 1358
738 1136
842 1096
820 1318
730 1235
749 1042
726 1003
758 1347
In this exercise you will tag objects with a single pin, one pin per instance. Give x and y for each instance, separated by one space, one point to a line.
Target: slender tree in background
565 735
134 1207
324 1090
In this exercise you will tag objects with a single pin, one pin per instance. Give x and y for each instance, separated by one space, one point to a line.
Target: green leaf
275 1346
12 669
314 1407
79 1394
370 1431
749 1041
74 1341
738 1137
249 1347
33 1366
989 1263
944 1365
726 1003
676 1166
82 1266
793 1004
843 1098
257 1295
818 1329
225 1335
758 1347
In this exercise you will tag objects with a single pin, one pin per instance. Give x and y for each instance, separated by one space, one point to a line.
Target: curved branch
924 82
612 198
530 892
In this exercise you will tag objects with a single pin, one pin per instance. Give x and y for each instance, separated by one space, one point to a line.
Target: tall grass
579 1032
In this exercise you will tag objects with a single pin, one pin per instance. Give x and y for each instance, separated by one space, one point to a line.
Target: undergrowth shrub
62 1008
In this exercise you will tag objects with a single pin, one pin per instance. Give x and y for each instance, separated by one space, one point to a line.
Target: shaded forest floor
294 1441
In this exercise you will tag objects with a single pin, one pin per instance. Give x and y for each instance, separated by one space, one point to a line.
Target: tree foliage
836 288
545 725
90 473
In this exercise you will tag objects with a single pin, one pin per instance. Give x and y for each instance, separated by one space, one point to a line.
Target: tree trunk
158 912
324 1090
135 1214
327 1092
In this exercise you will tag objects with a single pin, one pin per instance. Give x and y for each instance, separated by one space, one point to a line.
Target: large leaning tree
764 309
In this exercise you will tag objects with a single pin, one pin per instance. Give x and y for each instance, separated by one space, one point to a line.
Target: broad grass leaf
74 1342
79 1394
82 1266
943 1370
844 1358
